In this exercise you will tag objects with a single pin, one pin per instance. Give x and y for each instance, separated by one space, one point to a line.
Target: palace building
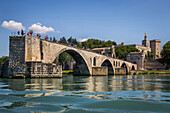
153 46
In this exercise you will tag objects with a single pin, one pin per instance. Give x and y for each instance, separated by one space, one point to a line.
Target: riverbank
65 72
151 72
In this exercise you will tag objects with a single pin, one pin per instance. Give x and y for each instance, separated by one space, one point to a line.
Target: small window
94 61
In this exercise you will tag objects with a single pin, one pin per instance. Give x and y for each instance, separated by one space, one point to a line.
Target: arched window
133 67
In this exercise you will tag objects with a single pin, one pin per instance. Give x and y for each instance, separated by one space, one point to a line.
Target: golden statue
145 33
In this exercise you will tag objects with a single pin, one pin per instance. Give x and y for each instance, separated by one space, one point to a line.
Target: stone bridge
33 49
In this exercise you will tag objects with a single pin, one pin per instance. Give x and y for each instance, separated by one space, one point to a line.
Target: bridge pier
39 69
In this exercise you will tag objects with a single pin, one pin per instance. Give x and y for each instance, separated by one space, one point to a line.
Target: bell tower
146 42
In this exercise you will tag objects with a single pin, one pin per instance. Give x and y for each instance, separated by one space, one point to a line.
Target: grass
154 72
67 72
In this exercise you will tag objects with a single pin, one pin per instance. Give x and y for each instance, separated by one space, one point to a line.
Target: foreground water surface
83 94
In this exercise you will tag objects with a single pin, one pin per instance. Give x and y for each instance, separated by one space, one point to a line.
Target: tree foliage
166 54
54 40
74 41
95 43
64 58
122 51
150 55
63 40
70 40
79 45
3 59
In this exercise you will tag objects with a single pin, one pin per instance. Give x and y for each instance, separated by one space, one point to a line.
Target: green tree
63 40
74 41
69 40
3 59
166 55
64 58
79 45
150 55
95 43
122 51
54 40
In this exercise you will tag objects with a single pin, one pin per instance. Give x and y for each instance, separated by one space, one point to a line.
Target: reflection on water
49 86
80 93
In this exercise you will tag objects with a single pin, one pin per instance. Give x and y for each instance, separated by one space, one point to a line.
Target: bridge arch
109 65
82 66
126 66
133 68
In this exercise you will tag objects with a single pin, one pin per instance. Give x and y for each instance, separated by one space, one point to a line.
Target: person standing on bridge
18 33
38 35
46 38
22 32
28 34
31 32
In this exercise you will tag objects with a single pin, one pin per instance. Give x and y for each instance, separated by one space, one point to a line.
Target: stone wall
33 49
16 54
120 71
149 65
38 69
25 58
137 58
103 70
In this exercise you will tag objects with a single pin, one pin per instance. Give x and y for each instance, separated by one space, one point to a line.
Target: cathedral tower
146 42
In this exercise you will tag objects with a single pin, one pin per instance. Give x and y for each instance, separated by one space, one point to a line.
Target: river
86 94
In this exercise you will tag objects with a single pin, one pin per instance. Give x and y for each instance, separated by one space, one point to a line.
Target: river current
86 94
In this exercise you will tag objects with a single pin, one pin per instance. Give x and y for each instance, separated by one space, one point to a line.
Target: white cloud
37 28
83 40
58 31
12 25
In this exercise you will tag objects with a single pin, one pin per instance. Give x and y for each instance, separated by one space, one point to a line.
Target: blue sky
117 20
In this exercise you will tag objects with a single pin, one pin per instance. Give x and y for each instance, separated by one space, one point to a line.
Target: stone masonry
24 58
16 55
30 55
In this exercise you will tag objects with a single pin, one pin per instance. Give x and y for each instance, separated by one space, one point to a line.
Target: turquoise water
86 94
